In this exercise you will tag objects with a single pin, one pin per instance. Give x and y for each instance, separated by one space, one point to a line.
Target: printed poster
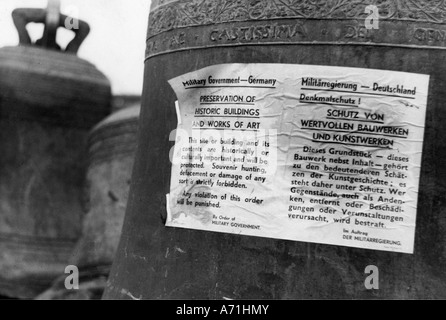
299 152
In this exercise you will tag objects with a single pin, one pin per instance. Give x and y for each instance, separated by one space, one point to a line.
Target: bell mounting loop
52 21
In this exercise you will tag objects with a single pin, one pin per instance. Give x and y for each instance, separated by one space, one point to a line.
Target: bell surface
112 146
157 262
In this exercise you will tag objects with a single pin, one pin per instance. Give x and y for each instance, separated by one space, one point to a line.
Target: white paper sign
300 152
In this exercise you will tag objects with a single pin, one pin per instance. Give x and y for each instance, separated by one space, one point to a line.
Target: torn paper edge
168 207
177 108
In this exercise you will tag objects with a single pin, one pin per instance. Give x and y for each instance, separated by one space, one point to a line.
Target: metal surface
51 23
185 25
52 19
112 146
155 262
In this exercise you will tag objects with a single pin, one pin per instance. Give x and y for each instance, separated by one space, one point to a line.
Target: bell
49 100
158 262
112 147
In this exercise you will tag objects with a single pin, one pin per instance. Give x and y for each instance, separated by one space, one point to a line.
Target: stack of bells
49 102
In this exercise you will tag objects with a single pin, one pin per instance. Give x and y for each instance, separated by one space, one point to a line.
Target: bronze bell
49 100
155 262
112 147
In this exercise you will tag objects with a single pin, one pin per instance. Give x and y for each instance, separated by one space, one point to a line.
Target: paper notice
299 152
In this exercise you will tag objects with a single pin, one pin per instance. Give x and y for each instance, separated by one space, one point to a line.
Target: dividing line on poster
299 152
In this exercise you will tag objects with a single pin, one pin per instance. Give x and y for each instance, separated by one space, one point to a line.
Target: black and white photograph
221 156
